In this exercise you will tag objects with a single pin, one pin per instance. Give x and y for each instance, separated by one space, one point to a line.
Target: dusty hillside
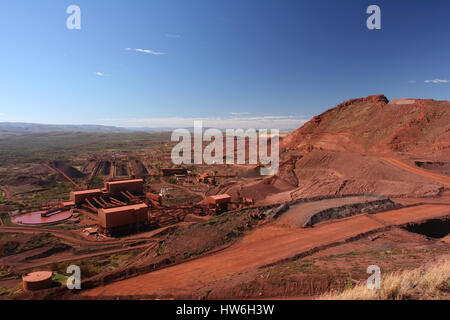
333 172
374 125
347 149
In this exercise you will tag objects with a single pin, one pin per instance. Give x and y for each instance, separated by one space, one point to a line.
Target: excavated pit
433 228
440 167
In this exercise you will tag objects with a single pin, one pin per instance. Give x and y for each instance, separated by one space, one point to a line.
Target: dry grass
426 283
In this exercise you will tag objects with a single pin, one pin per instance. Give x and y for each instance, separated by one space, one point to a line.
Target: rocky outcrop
351 210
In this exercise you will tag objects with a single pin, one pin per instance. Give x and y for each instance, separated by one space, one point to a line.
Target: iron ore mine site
198 159
365 183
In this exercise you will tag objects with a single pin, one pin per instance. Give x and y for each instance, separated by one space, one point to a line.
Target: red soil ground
264 246
328 172
445 180
333 268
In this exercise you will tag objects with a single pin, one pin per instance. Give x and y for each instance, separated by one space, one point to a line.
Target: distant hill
18 128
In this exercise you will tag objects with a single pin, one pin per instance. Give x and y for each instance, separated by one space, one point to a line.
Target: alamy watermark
74 281
74 20
192 151
374 21
374 281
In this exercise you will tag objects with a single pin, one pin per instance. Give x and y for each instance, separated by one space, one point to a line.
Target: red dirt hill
344 150
373 125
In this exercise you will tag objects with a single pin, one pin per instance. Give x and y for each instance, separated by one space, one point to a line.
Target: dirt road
445 180
263 246
20 263
443 199
70 235
299 213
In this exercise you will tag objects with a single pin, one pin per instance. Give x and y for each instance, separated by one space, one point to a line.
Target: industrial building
135 186
131 217
119 205
78 197
114 188
122 207
219 199
219 202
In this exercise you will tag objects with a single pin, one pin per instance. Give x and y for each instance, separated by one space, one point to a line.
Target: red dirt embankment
445 180
322 172
263 246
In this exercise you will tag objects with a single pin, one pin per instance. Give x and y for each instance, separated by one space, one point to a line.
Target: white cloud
238 113
148 51
100 74
437 81
231 122
2 114
174 36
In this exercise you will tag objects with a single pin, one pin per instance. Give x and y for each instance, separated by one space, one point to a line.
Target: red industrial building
78 197
119 205
219 199
219 202
131 216
122 206
136 186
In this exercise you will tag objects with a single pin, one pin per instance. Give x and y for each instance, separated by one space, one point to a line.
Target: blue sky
244 62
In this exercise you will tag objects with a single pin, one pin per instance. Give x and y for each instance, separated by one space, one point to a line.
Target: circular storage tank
37 280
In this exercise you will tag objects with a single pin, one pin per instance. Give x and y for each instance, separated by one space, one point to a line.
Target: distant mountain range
21 128
17 128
